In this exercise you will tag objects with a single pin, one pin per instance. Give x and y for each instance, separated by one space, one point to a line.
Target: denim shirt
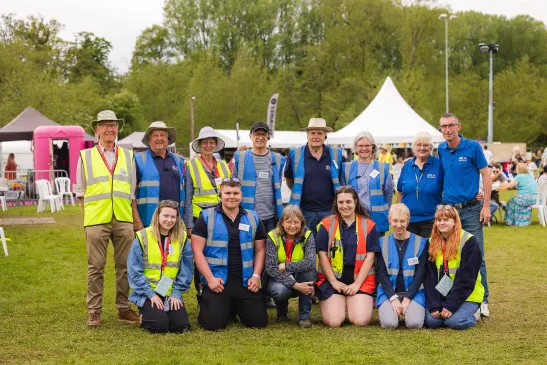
140 285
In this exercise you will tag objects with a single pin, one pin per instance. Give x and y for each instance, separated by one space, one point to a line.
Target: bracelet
256 276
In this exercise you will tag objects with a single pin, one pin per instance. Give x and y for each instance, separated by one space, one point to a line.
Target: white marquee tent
388 118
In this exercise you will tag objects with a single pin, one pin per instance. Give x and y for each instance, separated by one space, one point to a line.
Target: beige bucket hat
317 123
159 125
207 132
107 115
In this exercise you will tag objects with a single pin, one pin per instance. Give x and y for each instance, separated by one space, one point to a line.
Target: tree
152 47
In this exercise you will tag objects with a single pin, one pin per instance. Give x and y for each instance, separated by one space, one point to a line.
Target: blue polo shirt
430 188
317 190
462 167
169 176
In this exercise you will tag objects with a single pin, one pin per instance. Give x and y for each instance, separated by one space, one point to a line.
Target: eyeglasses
450 126
260 135
109 125
169 203
363 146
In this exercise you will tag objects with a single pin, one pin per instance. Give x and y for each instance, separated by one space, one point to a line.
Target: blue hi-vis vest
415 247
379 206
216 245
297 161
248 175
148 188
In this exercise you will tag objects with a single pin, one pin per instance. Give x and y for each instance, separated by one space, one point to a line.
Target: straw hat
317 123
159 125
104 116
384 147
207 132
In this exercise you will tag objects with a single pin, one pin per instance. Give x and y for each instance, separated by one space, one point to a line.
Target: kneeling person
290 264
160 269
228 244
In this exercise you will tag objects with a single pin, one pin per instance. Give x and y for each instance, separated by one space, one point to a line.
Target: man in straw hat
313 173
386 156
105 187
159 174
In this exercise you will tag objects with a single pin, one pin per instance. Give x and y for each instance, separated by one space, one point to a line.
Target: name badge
163 285
374 173
444 285
413 261
171 252
218 181
263 175
244 227
123 172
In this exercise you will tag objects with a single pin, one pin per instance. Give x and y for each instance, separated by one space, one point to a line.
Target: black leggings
156 320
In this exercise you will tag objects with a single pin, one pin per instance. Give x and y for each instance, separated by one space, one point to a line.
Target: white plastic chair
3 189
46 196
541 203
4 241
62 186
58 198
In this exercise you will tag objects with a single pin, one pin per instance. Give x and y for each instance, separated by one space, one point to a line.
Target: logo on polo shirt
430 176
462 159
174 167
327 167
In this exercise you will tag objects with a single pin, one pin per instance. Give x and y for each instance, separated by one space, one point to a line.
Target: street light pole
491 48
446 19
192 117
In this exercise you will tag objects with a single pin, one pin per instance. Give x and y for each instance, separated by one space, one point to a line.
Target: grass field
43 317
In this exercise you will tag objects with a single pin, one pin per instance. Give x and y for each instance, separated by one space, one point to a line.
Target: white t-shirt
487 155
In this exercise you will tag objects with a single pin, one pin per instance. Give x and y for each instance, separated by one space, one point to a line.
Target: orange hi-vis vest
335 253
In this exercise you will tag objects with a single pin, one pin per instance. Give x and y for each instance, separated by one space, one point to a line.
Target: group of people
172 222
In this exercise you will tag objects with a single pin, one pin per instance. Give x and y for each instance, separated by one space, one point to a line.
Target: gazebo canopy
22 127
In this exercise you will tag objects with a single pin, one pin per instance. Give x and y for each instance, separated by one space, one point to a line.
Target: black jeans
215 309
422 229
156 320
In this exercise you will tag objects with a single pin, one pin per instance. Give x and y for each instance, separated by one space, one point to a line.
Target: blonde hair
452 242
422 137
399 208
360 136
175 233
291 211
522 168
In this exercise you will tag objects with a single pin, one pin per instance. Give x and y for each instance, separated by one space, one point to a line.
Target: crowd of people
172 222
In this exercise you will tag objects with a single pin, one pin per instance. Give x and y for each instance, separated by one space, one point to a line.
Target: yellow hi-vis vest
453 266
298 248
387 158
107 195
151 256
205 195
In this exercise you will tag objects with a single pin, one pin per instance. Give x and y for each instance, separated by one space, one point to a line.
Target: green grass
43 317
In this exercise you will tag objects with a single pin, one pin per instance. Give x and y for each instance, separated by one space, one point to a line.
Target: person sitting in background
160 268
400 270
290 264
516 158
498 180
543 175
10 168
519 208
453 288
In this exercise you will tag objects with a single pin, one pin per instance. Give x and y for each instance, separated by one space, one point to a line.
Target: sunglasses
228 179
169 203
445 207
345 188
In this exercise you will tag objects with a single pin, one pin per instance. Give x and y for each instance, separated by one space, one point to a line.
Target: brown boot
128 315
93 320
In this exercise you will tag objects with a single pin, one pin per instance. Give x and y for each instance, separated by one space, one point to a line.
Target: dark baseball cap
260 125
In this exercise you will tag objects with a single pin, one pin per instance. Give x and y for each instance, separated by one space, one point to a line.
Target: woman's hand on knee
156 300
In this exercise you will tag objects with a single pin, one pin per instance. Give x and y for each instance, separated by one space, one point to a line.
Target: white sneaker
477 315
484 310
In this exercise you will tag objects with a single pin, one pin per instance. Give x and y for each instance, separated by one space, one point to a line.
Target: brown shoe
94 320
128 315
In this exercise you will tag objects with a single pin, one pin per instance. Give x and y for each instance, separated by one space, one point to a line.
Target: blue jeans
471 223
281 294
493 207
269 224
460 320
314 218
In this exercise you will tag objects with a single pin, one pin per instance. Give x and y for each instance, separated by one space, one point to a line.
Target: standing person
105 186
463 162
453 288
420 186
386 156
346 243
400 270
160 269
487 154
228 243
159 174
260 172
10 168
290 265
313 174
203 176
371 179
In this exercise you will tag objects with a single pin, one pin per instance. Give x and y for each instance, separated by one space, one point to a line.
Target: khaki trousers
97 237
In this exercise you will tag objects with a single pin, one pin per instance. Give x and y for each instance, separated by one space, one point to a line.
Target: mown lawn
43 316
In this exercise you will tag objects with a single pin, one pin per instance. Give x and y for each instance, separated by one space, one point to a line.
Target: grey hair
449 116
422 137
360 136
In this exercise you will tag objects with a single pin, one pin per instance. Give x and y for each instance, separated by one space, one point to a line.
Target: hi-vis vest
297 161
379 206
148 188
453 265
387 158
415 248
151 256
216 245
205 195
107 195
298 247
248 175
335 253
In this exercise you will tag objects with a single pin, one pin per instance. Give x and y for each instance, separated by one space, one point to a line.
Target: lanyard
445 261
164 253
418 180
111 170
213 168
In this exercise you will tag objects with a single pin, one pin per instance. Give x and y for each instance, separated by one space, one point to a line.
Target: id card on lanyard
165 282
446 283
110 169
